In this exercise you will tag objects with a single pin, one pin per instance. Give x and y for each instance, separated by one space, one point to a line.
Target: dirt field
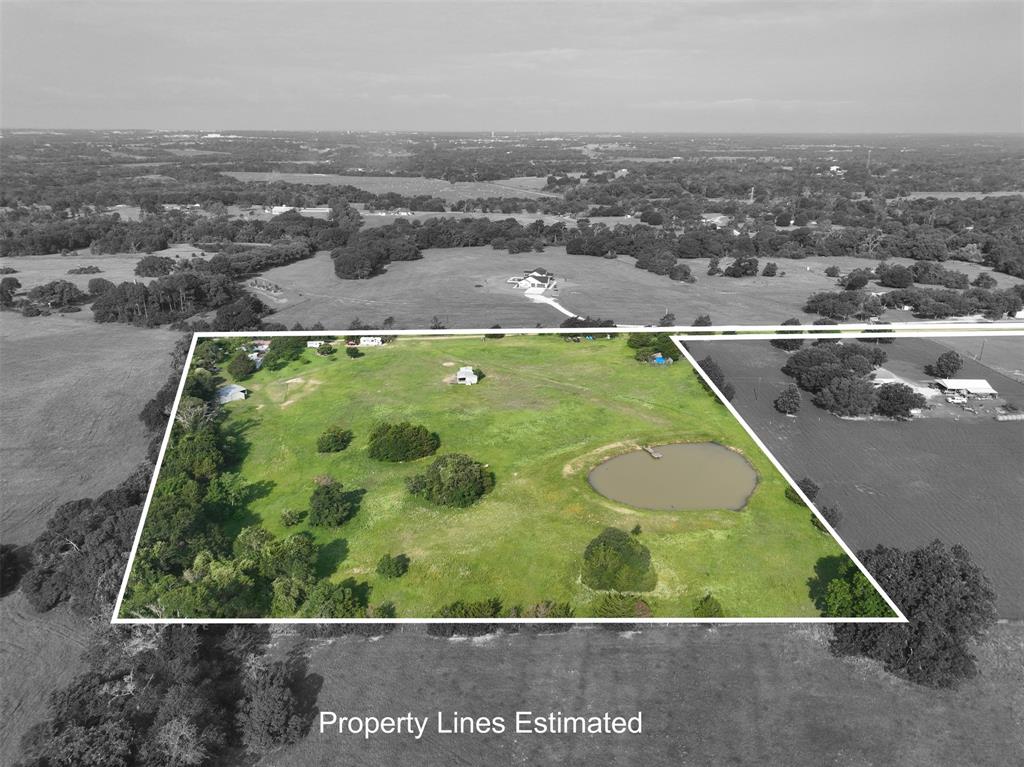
523 186
742 695
72 393
466 287
901 484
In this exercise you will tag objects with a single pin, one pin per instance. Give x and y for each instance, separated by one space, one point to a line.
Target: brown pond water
687 477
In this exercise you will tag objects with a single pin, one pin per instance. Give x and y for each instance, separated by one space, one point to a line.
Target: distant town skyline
656 67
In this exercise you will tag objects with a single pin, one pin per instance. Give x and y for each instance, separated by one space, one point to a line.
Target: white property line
679 334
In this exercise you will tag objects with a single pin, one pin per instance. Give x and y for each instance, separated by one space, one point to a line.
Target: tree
856 280
333 600
786 344
404 441
270 714
241 367
717 377
154 266
452 480
771 269
986 281
896 400
617 561
8 287
847 396
788 401
948 602
702 321
742 266
947 365
330 505
334 440
851 595
352 352
392 567
58 294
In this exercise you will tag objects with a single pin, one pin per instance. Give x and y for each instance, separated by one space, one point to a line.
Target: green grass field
546 412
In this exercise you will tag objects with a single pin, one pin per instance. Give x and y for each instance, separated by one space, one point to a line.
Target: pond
686 477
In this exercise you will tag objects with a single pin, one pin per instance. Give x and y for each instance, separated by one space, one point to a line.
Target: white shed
467 376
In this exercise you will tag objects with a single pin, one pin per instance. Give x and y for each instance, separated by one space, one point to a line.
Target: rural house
314 344
467 376
260 344
230 393
538 278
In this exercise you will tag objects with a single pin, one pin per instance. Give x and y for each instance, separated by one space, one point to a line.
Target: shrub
334 440
549 609
398 442
487 608
771 269
393 566
832 515
788 401
707 607
617 561
292 517
617 605
325 350
352 352
452 480
330 505
810 488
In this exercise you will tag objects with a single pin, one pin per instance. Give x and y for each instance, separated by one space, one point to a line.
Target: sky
763 67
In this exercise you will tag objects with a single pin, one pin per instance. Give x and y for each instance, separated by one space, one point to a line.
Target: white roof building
371 341
467 376
978 387
230 393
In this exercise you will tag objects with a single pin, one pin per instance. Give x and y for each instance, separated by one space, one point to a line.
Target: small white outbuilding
467 376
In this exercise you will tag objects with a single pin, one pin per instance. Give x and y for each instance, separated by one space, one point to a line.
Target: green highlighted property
484 477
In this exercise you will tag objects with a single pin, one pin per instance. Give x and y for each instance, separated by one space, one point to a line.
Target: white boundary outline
679 333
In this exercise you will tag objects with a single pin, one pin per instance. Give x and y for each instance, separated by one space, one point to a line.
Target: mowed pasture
520 186
116 267
69 429
73 390
546 412
900 484
466 287
743 695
